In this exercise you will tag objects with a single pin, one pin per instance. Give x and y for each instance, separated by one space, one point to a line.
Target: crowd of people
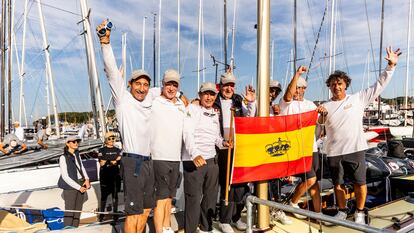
160 129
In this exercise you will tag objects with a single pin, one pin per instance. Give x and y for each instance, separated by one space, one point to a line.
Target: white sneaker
226 228
359 217
167 230
212 231
340 216
298 216
279 215
240 225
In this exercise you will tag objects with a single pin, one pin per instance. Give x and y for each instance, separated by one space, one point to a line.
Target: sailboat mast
407 71
233 36
124 56
9 65
380 54
225 32
263 39
295 54
49 122
159 44
154 51
22 63
143 43
199 43
331 43
3 68
48 67
178 36
92 69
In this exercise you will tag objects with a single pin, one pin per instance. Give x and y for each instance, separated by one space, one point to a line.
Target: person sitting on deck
11 144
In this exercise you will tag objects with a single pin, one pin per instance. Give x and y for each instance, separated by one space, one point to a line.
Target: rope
69 211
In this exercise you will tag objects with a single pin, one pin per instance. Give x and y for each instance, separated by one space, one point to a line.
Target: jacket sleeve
368 95
249 108
116 82
65 175
188 131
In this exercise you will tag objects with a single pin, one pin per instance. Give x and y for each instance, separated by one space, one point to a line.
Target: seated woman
73 180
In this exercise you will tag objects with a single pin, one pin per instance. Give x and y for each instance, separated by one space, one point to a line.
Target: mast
3 68
233 36
178 36
49 122
9 65
263 38
225 32
334 38
159 44
331 54
271 60
143 43
380 54
295 52
124 56
22 73
154 51
199 42
202 45
407 71
93 73
48 67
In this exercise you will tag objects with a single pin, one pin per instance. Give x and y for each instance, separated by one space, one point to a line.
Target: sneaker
226 228
359 217
280 216
298 216
212 231
240 225
167 230
340 216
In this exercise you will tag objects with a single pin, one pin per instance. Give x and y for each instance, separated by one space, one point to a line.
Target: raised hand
392 56
250 94
104 39
301 70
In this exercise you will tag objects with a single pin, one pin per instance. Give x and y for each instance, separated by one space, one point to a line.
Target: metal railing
325 218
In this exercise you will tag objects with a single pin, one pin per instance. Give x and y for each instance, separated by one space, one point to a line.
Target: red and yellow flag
273 147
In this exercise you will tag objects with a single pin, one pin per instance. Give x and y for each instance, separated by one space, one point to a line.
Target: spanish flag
273 147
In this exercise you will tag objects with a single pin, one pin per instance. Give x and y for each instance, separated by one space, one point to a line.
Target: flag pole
226 199
263 73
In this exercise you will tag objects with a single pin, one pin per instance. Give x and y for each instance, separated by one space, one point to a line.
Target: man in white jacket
167 121
345 144
201 171
132 112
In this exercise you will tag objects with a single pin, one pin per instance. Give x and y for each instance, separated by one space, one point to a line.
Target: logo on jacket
278 148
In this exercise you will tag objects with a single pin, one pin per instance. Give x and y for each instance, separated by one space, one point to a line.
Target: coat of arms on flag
272 147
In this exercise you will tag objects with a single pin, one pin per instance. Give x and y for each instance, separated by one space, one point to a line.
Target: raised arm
114 76
291 89
249 102
369 94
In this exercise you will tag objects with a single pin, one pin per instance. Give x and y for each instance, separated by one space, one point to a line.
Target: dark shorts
167 178
351 166
314 168
139 191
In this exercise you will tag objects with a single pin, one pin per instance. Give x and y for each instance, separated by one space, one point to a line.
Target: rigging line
58 8
36 96
316 42
370 38
19 21
311 19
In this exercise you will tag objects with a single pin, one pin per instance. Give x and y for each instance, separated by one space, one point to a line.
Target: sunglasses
108 26
111 139
76 141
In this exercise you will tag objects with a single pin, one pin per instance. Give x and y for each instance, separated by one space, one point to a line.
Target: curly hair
336 75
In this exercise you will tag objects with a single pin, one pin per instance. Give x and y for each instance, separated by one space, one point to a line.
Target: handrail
253 199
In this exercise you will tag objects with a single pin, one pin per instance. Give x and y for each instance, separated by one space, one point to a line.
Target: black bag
396 149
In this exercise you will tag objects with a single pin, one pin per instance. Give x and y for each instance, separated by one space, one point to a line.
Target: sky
354 40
